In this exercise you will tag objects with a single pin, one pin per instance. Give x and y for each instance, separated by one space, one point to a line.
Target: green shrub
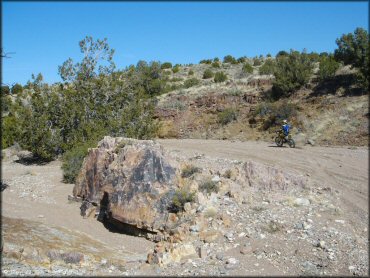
314 56
189 170
176 79
257 62
10 131
216 59
73 159
191 82
353 49
292 72
175 69
216 64
180 198
227 116
227 174
191 72
242 60
274 113
268 55
208 61
328 67
166 65
208 74
230 59
268 67
282 53
16 89
247 68
209 186
5 90
220 77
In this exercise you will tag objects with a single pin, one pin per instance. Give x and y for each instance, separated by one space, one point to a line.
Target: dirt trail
36 192
340 168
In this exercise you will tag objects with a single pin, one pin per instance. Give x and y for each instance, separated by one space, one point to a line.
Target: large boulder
131 181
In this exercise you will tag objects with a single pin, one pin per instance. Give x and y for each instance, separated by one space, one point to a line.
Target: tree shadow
330 86
32 160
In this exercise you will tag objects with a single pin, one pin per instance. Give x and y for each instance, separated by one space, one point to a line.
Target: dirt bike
280 139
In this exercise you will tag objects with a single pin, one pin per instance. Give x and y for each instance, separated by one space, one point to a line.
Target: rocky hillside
327 113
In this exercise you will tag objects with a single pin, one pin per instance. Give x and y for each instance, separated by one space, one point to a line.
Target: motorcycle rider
285 128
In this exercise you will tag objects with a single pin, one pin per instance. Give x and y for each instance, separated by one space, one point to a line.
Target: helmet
285 121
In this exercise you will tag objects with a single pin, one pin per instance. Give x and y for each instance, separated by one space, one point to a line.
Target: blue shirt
286 129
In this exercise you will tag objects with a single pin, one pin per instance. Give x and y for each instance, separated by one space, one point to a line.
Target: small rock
220 256
231 261
262 236
306 226
194 228
202 252
216 179
321 244
301 202
246 250
187 207
40 216
340 221
200 208
311 142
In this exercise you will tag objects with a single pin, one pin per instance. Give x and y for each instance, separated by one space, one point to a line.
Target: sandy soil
36 192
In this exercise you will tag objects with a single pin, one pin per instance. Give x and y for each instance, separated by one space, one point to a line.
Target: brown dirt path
36 192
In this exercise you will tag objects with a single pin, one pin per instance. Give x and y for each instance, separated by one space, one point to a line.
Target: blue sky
45 34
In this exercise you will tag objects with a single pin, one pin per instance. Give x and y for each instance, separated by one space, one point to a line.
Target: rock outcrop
131 182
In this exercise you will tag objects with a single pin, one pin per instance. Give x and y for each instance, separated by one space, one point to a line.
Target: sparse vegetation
230 59
190 170
220 77
274 113
227 174
73 159
328 67
227 116
209 186
166 65
191 72
353 49
176 69
242 60
208 74
268 67
292 72
191 82
180 198
257 62
176 79
247 68
208 61
216 65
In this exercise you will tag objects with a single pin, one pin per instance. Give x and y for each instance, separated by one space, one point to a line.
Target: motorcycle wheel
291 143
279 142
